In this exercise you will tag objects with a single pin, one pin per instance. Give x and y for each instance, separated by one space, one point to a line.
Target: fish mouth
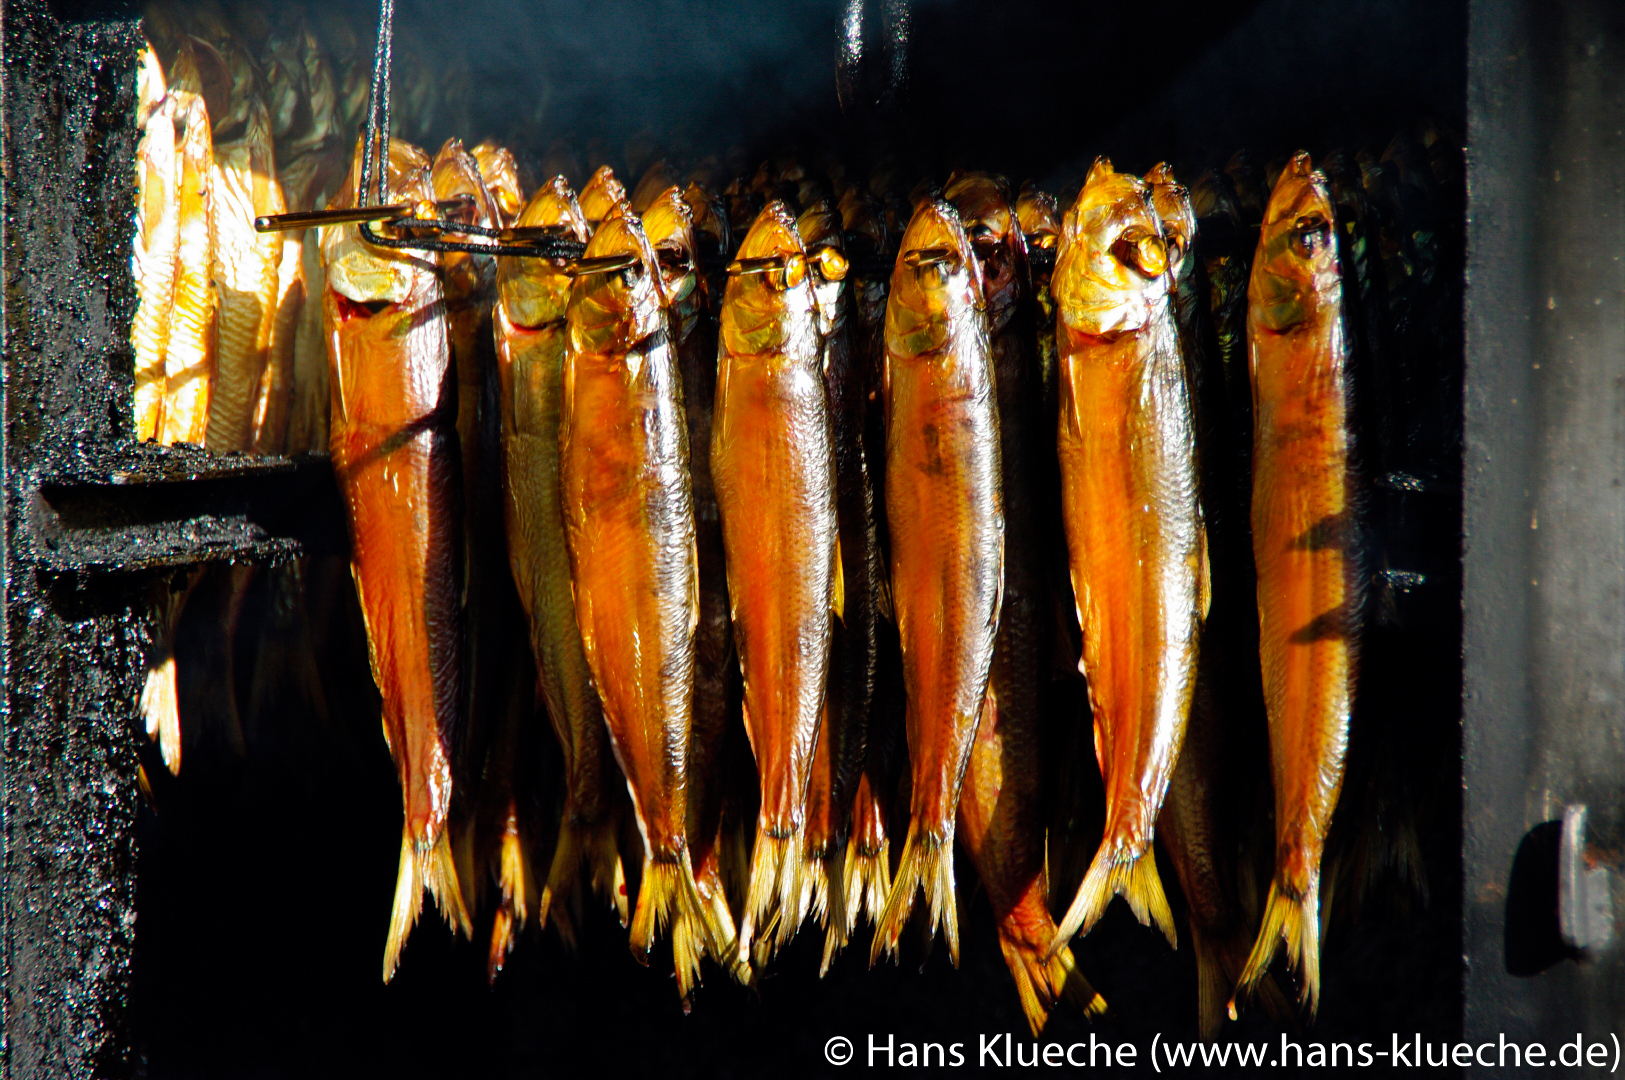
352 310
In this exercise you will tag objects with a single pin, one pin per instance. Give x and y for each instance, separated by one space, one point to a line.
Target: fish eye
832 265
1311 233
1142 249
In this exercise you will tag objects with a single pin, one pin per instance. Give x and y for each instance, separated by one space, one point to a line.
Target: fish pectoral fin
998 597
1204 575
693 585
838 598
883 597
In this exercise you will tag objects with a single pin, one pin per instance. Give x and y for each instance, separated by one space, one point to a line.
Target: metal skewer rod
305 219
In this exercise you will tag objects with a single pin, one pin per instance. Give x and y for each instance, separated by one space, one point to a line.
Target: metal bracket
1585 898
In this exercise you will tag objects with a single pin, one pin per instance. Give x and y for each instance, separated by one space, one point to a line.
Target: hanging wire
543 243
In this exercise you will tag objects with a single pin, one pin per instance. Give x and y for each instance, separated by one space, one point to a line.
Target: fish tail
1042 984
1294 920
422 868
719 922
562 888
1134 879
160 709
773 897
668 895
608 872
1212 983
927 863
838 917
868 880
518 885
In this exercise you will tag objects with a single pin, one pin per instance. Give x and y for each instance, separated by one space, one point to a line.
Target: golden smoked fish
394 446
946 516
842 743
1001 824
772 461
1304 547
189 353
691 324
530 339
868 868
1001 807
1040 217
245 272
500 172
1134 529
157 231
1204 813
629 513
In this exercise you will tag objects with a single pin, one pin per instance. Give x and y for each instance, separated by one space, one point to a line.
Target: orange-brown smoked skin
1302 546
393 440
629 508
946 522
1128 505
1001 811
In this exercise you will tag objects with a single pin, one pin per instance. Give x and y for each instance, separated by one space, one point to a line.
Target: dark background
265 876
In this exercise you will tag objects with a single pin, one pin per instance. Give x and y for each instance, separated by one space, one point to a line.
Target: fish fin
927 863
998 598
667 894
1041 984
563 884
1204 574
408 904
1212 984
1294 920
693 585
883 597
502 940
160 709
440 878
1134 879
868 880
720 927
773 897
838 603
604 859
840 918
421 868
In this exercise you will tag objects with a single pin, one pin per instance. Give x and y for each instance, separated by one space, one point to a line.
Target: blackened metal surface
73 653
1545 505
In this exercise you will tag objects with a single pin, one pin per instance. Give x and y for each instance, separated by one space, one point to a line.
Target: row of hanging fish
810 460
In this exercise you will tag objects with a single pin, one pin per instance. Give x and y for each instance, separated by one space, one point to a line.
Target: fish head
769 285
1172 202
534 292
984 205
455 174
323 91
602 195
287 89
1295 269
1039 214
1111 264
712 237
367 273
819 227
656 179
863 219
669 224
500 172
615 299
935 282
200 69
